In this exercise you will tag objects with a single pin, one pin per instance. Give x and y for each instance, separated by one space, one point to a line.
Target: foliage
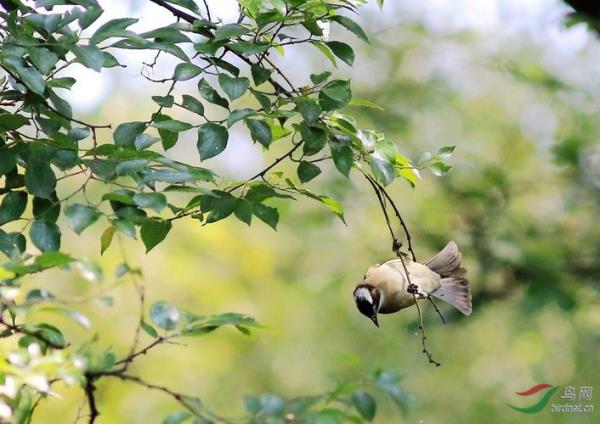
45 150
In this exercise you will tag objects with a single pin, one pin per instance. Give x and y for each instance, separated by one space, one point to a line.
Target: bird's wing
420 275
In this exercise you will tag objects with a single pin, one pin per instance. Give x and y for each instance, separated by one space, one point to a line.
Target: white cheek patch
363 293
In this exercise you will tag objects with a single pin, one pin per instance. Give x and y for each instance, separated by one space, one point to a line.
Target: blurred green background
517 93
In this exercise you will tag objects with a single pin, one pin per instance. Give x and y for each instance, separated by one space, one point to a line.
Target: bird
385 288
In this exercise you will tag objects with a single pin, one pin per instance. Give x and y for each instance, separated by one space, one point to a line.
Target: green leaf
335 95
188 4
326 51
212 140
446 151
186 71
238 115
228 31
8 160
334 206
154 231
46 209
192 104
148 329
209 47
315 138
342 157
12 207
39 295
45 236
439 168
307 171
260 191
177 417
352 26
132 167
364 103
126 133
79 217
364 404
106 239
89 271
313 27
259 131
342 50
389 383
39 178
143 141
168 138
382 168
114 27
243 211
52 260
76 316
78 134
172 125
320 78
211 95
266 214
233 87
263 99
260 74
32 78
64 82
165 315
252 404
125 226
12 244
154 201
164 101
219 204
102 169
10 121
89 56
249 48
309 109
42 58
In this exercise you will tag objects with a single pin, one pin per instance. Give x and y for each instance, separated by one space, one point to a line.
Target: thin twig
436 309
383 208
268 168
38 335
396 245
207 10
412 289
402 223
182 399
132 355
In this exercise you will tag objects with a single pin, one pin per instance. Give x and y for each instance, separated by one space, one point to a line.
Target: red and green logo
548 390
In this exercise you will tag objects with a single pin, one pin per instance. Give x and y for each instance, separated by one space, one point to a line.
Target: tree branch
19 329
90 390
396 245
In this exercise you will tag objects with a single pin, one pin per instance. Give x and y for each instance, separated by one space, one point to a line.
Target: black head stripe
364 306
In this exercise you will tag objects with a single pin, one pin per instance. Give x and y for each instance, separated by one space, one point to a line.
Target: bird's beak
374 319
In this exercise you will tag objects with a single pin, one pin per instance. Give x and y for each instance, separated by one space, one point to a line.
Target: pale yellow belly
394 285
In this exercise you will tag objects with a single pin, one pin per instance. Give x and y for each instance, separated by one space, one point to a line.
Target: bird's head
367 299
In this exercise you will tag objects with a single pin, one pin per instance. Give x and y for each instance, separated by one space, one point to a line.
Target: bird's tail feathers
454 288
456 292
445 262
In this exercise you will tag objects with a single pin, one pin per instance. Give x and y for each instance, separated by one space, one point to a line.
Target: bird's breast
393 285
